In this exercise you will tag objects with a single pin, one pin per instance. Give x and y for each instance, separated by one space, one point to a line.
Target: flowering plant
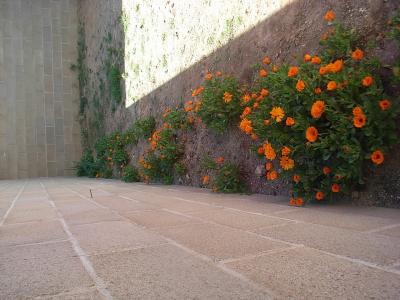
218 101
323 122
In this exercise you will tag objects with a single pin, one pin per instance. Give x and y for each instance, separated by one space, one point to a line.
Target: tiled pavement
135 241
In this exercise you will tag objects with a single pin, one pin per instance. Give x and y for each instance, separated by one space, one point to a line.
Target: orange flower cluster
319 195
220 160
277 113
286 163
290 121
357 54
227 97
300 85
317 109
189 106
154 139
269 152
330 16
293 71
197 91
333 68
266 60
246 99
296 202
384 104
246 112
367 81
206 179
311 134
377 157
263 73
246 126
144 163
208 76
272 175
296 178
331 86
359 119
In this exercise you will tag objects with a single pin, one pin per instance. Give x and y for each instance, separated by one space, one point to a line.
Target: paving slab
123 205
26 233
376 249
44 269
21 215
167 272
304 273
158 218
219 242
91 216
112 236
238 219
342 220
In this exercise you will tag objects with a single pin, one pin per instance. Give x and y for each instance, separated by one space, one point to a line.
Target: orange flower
335 188
357 111
227 97
359 120
377 157
285 151
329 16
286 163
197 91
260 98
357 54
293 71
277 113
206 179
331 86
337 66
274 69
317 90
208 76
290 121
263 73
317 109
326 170
264 92
319 195
246 98
256 105
218 74
254 137
384 104
246 112
323 70
292 202
296 178
316 60
188 106
254 95
272 175
367 81
268 166
266 122
197 106
311 134
299 202
300 85
307 57
220 160
246 126
269 152
266 60
260 150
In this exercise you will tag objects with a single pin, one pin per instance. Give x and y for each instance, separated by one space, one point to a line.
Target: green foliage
86 165
345 138
394 33
114 79
158 163
228 179
176 118
218 111
130 174
144 128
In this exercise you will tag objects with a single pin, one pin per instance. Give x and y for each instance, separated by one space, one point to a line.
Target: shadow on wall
285 35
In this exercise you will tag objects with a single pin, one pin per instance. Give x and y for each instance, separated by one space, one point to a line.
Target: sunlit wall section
165 37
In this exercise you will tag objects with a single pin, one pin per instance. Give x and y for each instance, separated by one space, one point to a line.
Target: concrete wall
39 102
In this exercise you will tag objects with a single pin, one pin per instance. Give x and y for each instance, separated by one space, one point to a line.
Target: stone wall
39 102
